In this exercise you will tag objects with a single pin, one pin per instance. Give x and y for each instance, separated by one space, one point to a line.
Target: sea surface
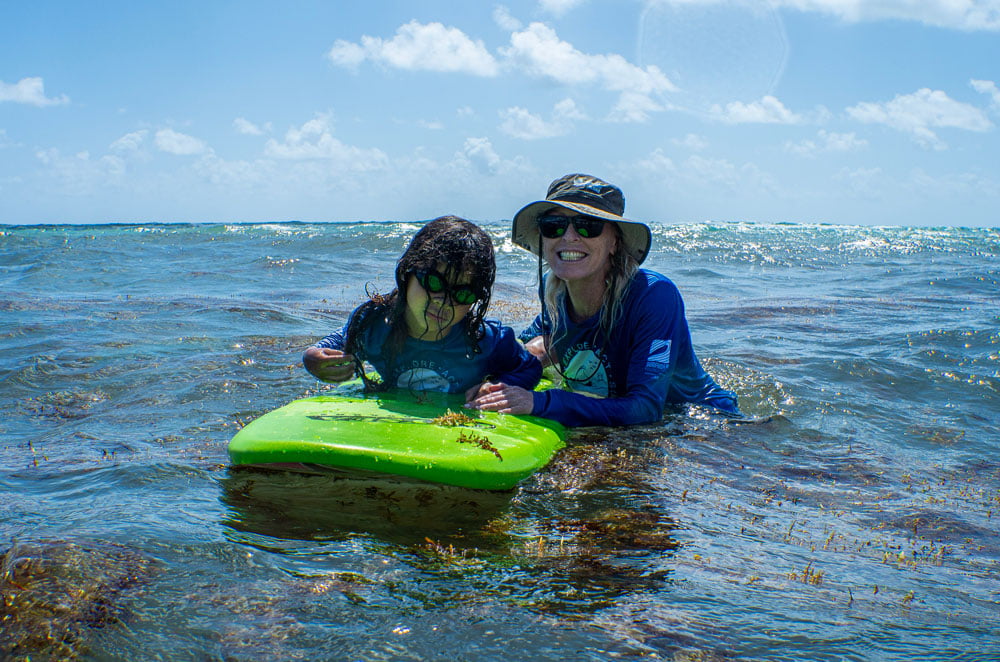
854 514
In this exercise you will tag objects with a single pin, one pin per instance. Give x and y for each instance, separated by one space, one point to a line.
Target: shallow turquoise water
855 518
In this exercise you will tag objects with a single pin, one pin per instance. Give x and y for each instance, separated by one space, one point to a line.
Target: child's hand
329 365
500 398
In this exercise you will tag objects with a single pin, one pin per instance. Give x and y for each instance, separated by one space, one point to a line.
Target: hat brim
524 232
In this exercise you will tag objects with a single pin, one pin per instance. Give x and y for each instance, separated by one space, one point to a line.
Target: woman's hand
329 365
500 398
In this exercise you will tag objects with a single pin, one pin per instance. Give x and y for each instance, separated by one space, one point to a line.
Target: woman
616 333
430 332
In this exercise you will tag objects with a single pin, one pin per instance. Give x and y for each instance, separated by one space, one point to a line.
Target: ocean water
854 515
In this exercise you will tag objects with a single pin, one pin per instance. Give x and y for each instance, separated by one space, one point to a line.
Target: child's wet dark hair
465 249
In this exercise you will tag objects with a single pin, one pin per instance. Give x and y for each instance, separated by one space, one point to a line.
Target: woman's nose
571 233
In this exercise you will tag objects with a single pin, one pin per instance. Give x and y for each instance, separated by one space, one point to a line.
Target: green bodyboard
401 434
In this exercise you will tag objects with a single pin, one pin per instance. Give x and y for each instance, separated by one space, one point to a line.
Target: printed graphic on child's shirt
422 379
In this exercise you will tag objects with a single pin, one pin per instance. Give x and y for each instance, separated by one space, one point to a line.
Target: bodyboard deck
427 436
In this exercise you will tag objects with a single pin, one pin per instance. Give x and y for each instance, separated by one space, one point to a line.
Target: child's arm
326 359
510 363
537 347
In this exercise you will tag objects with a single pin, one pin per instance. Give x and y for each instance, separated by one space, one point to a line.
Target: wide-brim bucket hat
586 195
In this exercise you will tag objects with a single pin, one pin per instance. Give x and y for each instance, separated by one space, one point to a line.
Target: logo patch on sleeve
659 356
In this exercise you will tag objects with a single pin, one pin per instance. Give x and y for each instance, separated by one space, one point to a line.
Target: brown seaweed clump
478 440
453 419
53 592
619 530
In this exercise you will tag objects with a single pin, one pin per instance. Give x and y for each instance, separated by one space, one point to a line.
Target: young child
429 333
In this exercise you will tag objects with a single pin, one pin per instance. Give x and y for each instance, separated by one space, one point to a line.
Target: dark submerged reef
53 594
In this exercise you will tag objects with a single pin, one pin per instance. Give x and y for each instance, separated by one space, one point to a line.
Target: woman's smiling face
575 258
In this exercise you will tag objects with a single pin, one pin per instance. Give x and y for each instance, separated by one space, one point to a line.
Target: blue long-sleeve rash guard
647 361
446 365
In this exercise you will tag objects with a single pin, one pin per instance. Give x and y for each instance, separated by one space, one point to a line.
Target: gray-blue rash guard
625 379
448 364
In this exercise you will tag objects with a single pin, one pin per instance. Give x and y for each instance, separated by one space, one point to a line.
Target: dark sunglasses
434 283
553 227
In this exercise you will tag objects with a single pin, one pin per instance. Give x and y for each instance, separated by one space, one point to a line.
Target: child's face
429 315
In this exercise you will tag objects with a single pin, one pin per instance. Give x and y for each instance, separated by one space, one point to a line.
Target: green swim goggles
434 283
553 226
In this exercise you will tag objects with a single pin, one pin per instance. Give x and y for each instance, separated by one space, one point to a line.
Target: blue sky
842 111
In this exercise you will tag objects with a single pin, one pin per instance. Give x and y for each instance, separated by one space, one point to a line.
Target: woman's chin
569 270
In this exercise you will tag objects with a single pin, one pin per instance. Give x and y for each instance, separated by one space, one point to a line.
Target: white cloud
30 91
520 123
867 183
990 88
539 52
700 171
559 7
768 110
181 144
819 115
719 171
130 142
691 141
827 142
79 174
347 54
240 174
960 14
953 185
841 142
419 47
536 51
504 19
657 163
248 128
920 112
3 138
480 153
634 107
807 148
315 140
568 110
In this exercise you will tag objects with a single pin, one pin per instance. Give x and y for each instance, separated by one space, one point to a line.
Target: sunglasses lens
553 227
431 282
588 227
464 296
434 283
